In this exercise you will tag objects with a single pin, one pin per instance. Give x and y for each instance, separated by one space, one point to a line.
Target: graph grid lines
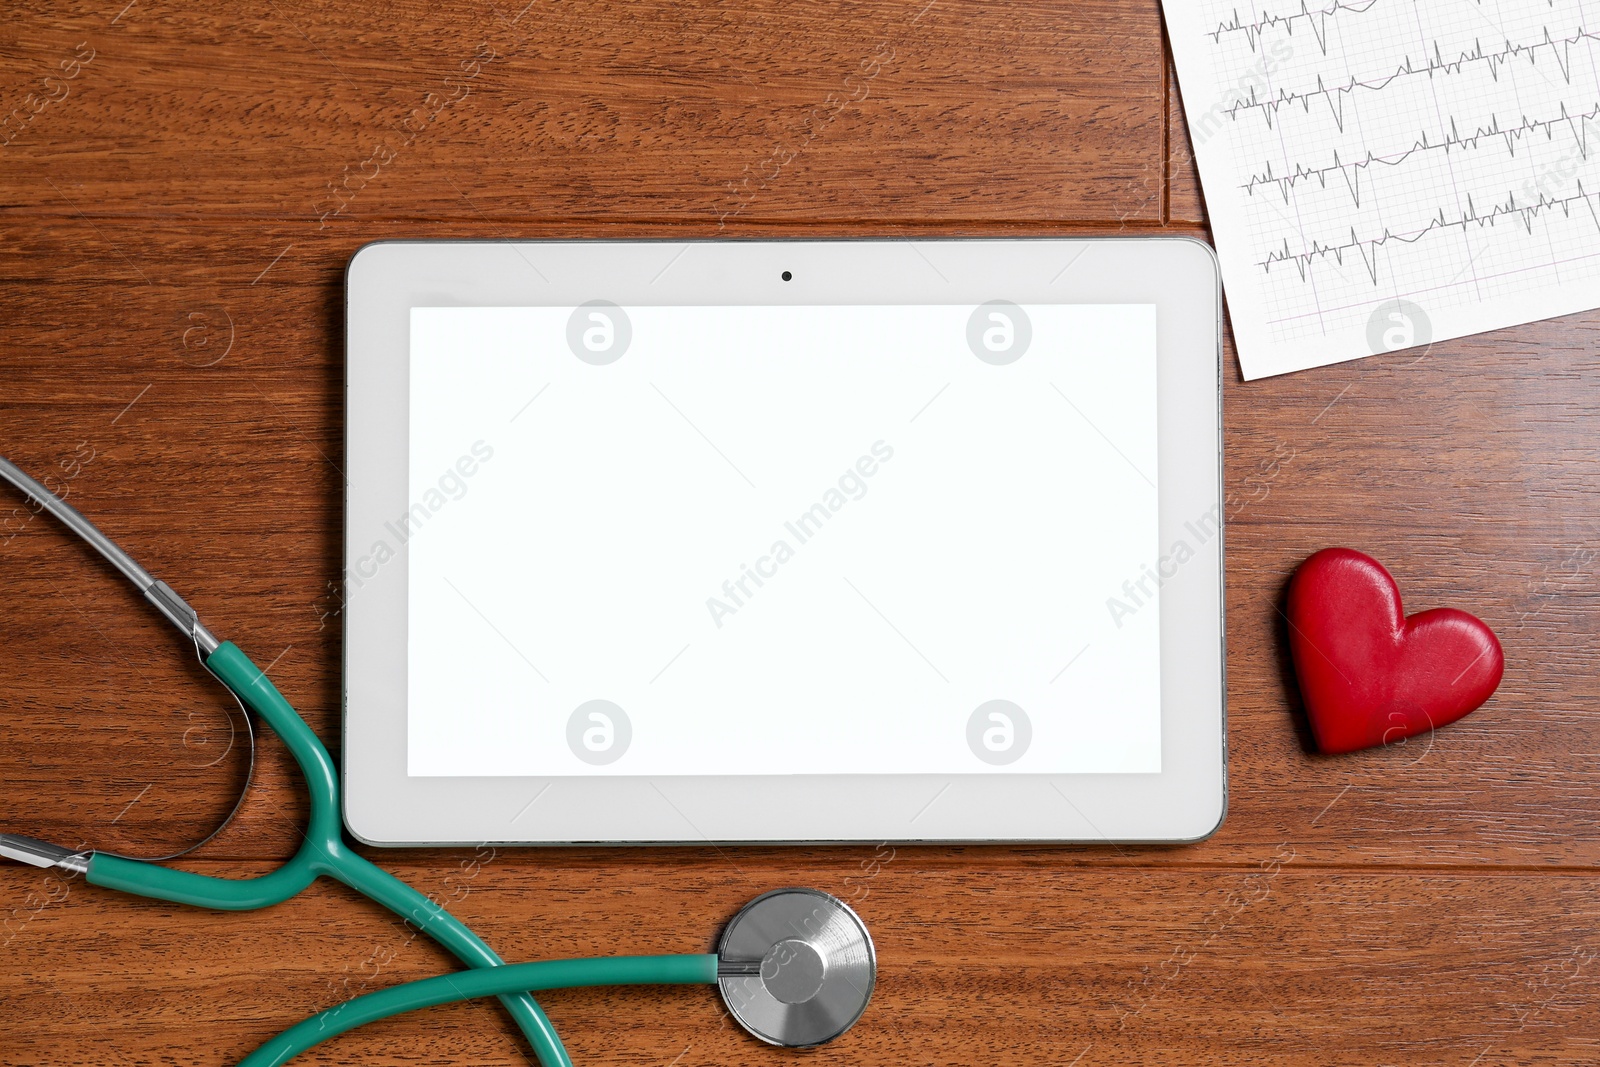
1358 156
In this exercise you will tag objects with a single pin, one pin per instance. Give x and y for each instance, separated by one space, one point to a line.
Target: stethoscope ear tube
38 853
323 850
796 967
172 607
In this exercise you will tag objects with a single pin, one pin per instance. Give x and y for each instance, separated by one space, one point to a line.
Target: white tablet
736 541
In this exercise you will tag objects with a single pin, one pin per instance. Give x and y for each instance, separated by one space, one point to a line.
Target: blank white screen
576 530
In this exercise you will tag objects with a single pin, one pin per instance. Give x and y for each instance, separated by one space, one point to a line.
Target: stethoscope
795 967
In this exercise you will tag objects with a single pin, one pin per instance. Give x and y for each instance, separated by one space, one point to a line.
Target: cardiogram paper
1381 174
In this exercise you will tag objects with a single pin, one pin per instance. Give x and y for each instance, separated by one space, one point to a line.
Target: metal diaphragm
796 967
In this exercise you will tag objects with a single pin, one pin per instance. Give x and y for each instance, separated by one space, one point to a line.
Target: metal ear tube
38 853
795 967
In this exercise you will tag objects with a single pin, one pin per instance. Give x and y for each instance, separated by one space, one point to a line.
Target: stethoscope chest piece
796 967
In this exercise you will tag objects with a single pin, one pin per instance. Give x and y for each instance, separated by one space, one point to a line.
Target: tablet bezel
1186 801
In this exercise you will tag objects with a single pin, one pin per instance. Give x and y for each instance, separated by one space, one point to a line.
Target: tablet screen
781 540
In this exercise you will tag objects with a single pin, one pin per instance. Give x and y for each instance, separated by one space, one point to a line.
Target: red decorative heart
1369 675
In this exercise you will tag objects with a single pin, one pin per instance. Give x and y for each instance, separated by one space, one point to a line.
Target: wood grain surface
183 184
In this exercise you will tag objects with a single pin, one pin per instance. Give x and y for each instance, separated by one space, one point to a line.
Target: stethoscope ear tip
796 967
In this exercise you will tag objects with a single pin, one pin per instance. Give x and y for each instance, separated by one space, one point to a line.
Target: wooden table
183 184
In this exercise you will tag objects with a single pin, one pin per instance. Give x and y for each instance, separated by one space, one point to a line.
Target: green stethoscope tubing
492 981
324 852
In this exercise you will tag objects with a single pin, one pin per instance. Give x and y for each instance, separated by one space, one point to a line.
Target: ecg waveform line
1316 20
1351 172
1560 50
1367 247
